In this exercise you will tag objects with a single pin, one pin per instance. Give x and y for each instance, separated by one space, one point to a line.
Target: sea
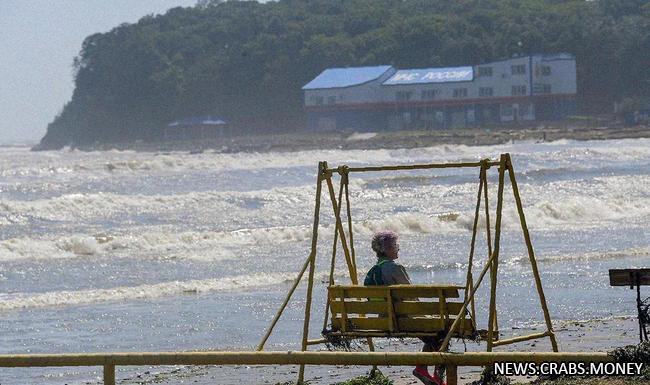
124 251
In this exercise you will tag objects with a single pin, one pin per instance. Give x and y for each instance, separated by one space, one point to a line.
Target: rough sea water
125 251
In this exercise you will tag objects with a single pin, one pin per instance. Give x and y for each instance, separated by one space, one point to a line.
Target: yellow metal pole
333 261
452 375
495 253
415 166
470 284
487 227
260 346
352 268
322 167
346 177
305 330
109 374
522 338
531 254
339 226
294 358
463 309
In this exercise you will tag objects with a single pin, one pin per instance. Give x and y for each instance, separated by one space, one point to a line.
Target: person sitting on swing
388 272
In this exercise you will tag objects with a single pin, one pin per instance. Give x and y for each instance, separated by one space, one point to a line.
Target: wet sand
574 336
384 140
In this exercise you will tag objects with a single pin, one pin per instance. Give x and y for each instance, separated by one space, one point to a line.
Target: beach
304 141
579 336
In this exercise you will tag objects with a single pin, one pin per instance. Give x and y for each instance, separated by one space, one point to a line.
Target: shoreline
304 141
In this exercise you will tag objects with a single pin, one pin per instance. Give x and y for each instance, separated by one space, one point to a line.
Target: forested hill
247 61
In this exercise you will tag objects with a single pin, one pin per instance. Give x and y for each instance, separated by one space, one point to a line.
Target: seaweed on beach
335 341
488 377
339 342
635 353
375 377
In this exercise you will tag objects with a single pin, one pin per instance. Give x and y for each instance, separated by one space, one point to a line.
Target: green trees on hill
248 61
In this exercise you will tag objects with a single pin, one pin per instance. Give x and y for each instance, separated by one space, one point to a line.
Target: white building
537 87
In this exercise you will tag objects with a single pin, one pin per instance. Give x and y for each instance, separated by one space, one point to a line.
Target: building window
331 100
403 96
460 92
316 100
546 88
484 71
430 94
485 91
518 90
524 109
518 69
546 70
506 110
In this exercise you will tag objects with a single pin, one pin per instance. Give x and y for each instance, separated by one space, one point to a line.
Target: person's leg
421 371
434 343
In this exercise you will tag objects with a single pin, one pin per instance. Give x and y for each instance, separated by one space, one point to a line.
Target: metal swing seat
443 310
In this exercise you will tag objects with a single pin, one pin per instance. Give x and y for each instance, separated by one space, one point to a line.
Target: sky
38 42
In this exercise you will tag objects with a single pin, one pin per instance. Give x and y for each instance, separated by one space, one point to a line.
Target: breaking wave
589 256
141 292
28 164
75 206
197 245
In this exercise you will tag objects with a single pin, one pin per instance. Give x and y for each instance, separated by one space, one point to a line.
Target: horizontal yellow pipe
294 358
521 338
413 166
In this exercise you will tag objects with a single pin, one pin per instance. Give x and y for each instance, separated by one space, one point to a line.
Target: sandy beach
573 336
304 141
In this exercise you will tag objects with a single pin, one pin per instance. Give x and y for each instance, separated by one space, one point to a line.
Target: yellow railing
451 360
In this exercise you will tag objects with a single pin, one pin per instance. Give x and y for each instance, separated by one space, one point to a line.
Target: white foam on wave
19 162
141 292
588 256
74 206
152 243
411 223
167 243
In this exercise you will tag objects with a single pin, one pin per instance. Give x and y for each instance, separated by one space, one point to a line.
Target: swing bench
398 311
440 310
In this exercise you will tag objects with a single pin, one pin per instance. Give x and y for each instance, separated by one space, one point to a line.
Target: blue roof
345 77
557 56
431 75
207 120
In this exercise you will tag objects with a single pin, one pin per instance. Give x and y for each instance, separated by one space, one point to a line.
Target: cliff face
247 61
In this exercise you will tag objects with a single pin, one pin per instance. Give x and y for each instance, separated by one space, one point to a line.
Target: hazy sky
38 40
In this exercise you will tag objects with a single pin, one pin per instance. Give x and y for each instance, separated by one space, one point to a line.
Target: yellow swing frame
325 174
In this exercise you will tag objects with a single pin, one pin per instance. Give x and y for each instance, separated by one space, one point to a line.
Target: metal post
339 226
487 224
322 167
346 179
109 374
495 253
260 346
349 253
637 280
456 323
470 284
333 261
293 358
531 253
452 375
